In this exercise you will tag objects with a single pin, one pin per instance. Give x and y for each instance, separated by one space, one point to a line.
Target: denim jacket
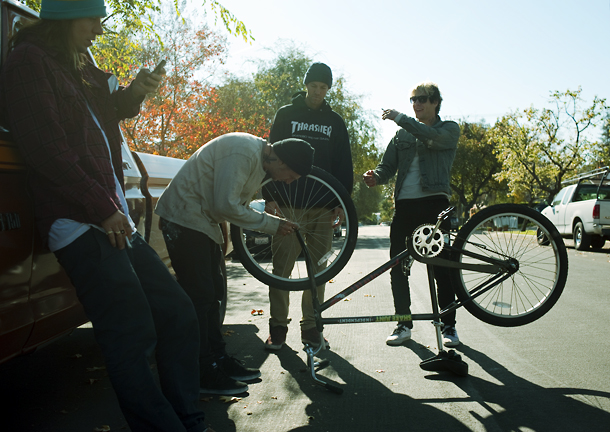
436 147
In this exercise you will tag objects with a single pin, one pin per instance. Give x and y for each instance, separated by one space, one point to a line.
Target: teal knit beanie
72 9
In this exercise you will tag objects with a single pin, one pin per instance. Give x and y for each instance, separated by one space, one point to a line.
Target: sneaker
312 337
401 334
216 381
236 369
277 338
450 336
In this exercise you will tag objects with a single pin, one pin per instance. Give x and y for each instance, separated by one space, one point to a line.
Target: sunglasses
420 99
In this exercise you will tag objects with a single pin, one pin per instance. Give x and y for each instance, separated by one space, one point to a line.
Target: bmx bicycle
501 272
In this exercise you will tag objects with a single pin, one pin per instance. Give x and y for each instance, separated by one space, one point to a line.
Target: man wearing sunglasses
422 152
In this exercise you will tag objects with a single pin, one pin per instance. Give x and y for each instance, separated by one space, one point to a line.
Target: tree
127 20
133 15
474 167
251 103
603 155
539 148
177 120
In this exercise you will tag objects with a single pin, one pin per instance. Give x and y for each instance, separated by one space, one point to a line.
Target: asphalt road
551 375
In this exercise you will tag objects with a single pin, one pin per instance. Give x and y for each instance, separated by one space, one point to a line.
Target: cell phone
159 67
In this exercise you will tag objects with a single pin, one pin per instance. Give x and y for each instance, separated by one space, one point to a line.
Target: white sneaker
450 337
401 334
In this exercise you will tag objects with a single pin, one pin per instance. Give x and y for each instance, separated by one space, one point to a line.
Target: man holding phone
65 122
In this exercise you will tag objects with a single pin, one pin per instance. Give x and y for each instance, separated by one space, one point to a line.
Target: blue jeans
408 215
138 309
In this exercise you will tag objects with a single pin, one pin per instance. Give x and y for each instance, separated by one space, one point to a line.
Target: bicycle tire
511 231
258 262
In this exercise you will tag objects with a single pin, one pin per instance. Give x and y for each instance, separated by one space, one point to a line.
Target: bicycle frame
502 270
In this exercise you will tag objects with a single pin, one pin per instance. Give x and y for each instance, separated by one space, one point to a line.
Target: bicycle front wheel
511 231
323 194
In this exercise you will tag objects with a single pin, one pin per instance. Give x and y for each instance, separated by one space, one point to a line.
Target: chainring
425 247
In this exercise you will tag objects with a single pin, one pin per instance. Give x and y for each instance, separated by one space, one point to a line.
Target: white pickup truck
581 210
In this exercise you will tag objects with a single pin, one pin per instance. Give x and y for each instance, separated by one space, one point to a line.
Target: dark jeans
408 215
137 309
196 259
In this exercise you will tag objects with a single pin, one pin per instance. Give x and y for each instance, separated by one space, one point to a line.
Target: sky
488 57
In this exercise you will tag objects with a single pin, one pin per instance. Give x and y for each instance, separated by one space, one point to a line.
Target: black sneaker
236 369
215 381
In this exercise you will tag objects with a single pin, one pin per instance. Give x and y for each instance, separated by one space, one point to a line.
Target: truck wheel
582 240
597 242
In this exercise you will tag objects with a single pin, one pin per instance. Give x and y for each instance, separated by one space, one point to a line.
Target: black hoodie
324 129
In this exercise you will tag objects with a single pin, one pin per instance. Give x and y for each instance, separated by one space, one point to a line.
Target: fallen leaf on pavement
229 399
228 333
104 428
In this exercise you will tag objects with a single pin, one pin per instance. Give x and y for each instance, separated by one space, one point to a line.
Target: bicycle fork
311 351
443 361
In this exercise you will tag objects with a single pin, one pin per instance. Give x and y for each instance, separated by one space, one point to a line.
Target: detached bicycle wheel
312 199
511 231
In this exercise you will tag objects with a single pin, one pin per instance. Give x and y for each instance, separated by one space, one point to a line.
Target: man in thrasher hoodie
310 118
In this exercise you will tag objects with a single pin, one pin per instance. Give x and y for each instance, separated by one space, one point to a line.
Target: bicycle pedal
446 361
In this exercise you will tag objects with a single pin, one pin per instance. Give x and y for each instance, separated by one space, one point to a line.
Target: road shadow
373 243
60 387
64 386
569 243
518 404
366 405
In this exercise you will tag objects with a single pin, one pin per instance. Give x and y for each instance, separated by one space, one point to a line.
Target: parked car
257 242
37 301
581 210
338 231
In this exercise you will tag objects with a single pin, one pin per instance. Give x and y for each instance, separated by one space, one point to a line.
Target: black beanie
319 72
295 153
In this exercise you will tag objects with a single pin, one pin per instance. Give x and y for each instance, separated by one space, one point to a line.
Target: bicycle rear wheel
257 259
511 231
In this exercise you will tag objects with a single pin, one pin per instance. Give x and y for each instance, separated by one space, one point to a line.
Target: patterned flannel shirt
45 108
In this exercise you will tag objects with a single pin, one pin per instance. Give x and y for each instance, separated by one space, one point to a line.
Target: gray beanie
296 153
319 72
